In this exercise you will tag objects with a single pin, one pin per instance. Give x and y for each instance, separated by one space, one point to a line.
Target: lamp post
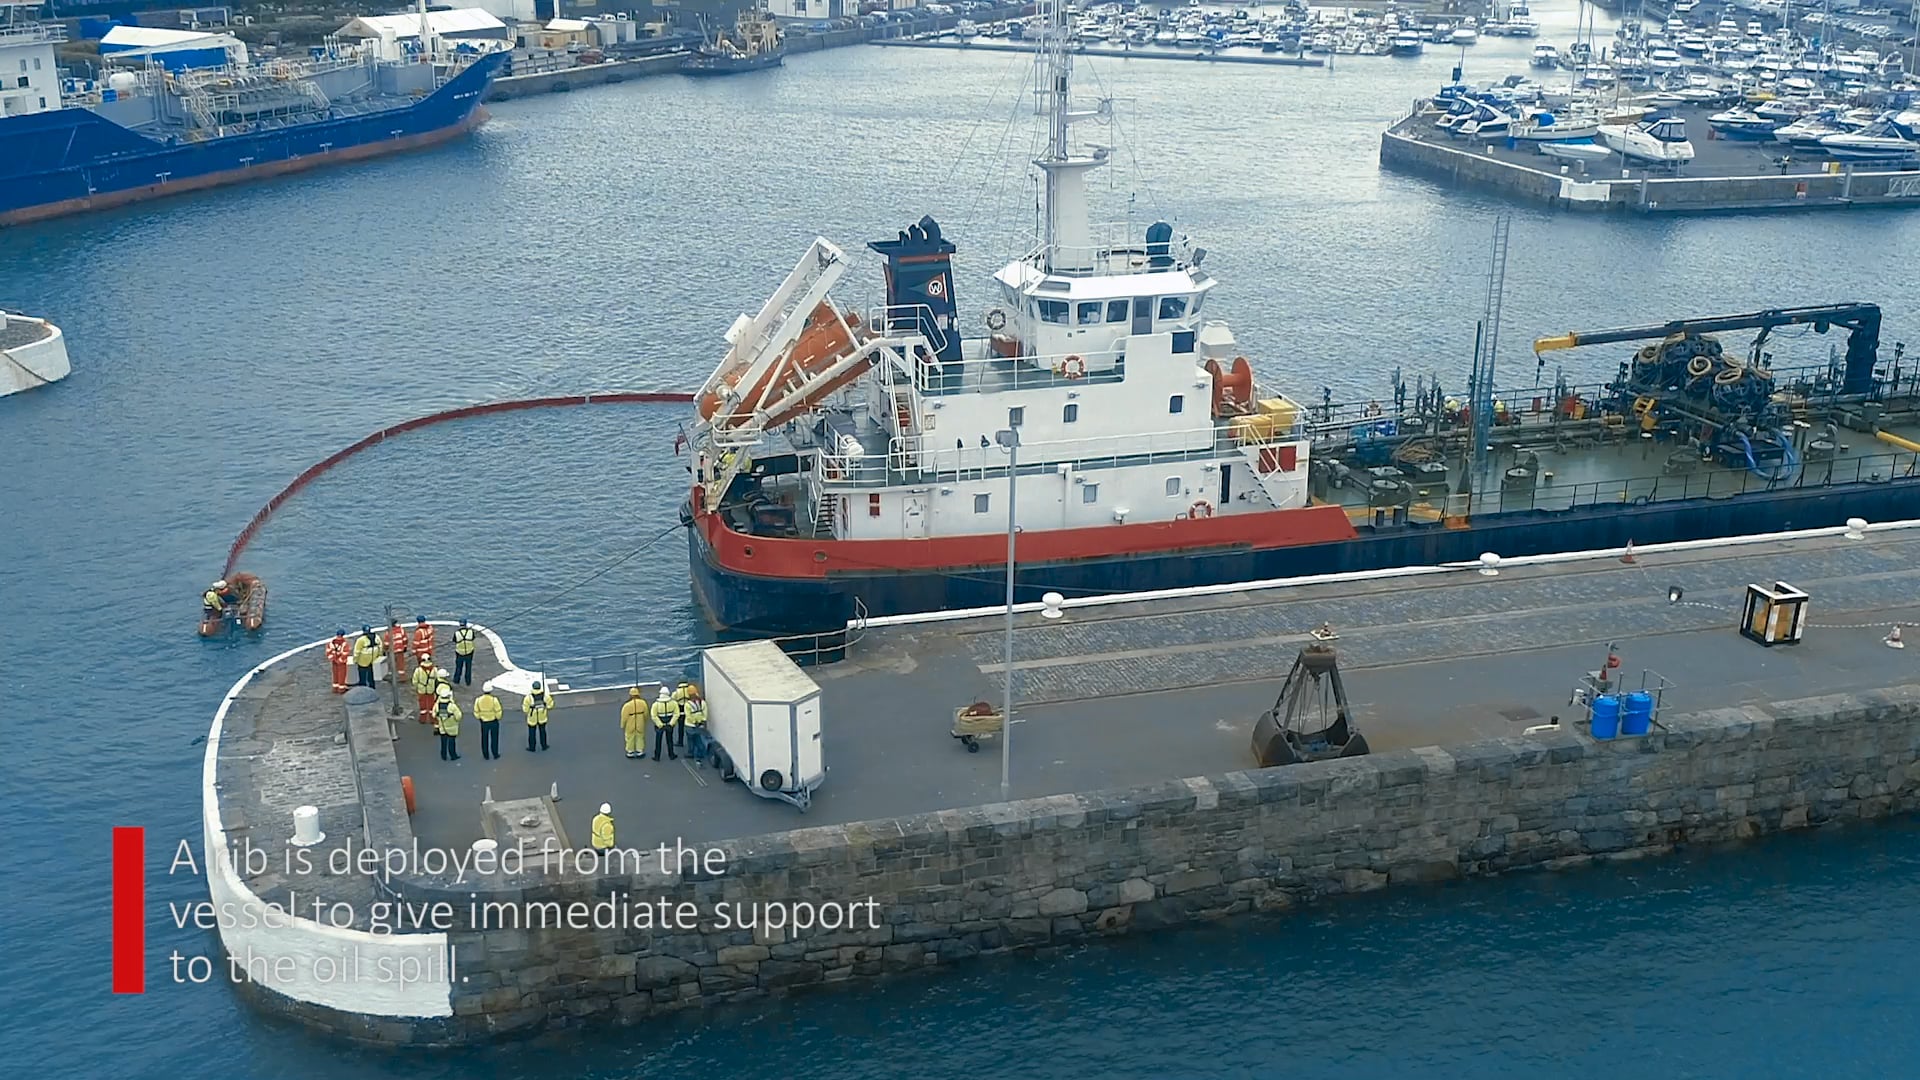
1009 439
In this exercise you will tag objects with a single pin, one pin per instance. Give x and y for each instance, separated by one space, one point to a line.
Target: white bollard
306 826
554 792
485 846
1489 565
488 797
1050 605
1856 528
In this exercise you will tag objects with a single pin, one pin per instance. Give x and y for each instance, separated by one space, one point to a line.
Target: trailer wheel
972 744
770 780
725 765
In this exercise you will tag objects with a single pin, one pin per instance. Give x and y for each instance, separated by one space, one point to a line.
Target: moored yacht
1885 140
1661 140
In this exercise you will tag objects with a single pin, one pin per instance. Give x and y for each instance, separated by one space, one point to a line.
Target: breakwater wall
616 71
1064 869
1568 187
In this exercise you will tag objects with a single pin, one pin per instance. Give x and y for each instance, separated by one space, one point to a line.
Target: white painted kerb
920 618
303 940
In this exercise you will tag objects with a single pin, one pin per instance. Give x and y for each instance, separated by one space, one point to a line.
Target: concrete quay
1725 175
583 76
1147 703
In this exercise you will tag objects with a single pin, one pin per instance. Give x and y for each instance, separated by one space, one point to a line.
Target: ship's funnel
920 286
1160 246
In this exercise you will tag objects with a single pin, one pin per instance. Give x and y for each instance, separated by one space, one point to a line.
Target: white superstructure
33 353
1130 405
29 80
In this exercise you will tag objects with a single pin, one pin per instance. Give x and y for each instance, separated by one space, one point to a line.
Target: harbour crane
1861 320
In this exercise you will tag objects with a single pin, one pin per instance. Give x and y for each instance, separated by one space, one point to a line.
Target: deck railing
1018 373
925 457
1341 424
1709 482
52 33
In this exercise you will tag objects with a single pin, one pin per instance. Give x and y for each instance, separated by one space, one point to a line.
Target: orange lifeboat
248 609
823 342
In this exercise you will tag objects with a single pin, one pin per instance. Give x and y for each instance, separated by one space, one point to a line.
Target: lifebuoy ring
996 319
1201 509
1073 367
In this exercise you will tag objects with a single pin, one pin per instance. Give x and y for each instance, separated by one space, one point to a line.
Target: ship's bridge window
1053 311
1177 403
1089 314
1173 486
1070 413
1173 307
1090 493
1117 311
980 503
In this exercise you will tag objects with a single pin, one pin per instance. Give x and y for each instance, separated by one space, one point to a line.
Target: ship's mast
1067 239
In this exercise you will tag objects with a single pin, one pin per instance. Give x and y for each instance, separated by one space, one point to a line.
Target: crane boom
1861 320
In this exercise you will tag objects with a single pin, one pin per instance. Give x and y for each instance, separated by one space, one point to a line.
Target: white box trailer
763 714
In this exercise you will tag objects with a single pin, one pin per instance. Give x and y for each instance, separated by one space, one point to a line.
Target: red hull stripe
108 199
773 557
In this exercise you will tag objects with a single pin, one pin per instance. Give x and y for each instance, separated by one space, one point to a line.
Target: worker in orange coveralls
422 638
339 654
397 648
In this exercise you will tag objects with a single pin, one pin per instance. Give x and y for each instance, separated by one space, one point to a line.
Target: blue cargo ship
71 147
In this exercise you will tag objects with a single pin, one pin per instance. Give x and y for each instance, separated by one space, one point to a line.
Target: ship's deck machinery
1684 415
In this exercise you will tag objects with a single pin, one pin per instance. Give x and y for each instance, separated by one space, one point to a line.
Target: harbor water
223 342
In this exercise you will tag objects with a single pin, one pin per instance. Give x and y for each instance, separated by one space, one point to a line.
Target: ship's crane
1862 320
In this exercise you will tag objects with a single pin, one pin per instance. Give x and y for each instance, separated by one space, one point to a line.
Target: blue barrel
1638 716
1606 716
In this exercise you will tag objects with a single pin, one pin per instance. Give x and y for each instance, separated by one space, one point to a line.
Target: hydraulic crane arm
1862 320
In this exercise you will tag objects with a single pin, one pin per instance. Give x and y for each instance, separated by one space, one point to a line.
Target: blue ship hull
72 160
746 604
708 64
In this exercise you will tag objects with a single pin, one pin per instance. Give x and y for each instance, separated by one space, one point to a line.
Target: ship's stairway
903 423
313 93
199 105
824 516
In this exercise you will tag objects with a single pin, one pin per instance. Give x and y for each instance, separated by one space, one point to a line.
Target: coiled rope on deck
620 397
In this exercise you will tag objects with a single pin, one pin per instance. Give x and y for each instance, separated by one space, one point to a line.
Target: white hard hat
439 673
446 693
221 584
664 695
606 808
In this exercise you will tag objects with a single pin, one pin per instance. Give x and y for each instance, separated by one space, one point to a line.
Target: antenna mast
1480 390
1066 235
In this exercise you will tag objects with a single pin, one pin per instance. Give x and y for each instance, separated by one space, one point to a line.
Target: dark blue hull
738 603
729 65
72 160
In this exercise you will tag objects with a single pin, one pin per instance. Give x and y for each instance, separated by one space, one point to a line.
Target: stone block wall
1063 869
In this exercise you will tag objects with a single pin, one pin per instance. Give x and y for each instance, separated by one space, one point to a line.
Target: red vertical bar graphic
129 910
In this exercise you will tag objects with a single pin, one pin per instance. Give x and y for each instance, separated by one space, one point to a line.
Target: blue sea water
604 239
